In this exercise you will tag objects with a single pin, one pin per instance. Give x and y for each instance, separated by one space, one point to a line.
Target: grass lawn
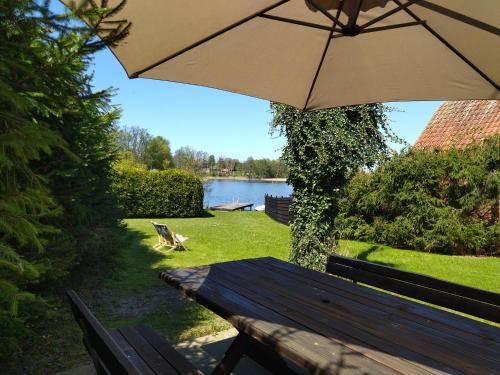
479 272
220 237
135 295
225 236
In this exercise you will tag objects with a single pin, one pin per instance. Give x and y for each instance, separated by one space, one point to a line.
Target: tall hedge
436 201
170 193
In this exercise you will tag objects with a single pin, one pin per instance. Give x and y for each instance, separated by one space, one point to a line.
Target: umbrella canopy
316 54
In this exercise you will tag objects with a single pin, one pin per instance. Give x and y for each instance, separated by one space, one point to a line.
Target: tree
323 150
211 163
222 163
263 168
249 167
278 168
185 158
157 154
135 140
56 151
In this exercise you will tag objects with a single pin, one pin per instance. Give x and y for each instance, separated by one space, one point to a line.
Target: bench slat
147 353
421 287
130 352
168 352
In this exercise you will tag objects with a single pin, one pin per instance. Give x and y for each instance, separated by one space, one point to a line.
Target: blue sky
215 121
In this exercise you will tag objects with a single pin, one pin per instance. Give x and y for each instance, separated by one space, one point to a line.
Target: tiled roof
458 123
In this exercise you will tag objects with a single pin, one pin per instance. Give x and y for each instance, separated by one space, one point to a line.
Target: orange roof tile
456 124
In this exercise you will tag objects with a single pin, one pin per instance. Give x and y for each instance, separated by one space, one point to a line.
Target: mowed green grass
226 236
220 237
478 272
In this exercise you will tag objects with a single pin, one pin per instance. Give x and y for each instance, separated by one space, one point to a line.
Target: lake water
228 191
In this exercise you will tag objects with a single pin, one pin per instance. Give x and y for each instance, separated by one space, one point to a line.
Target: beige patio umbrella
316 54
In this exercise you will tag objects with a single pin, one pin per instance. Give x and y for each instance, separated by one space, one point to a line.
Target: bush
435 201
171 193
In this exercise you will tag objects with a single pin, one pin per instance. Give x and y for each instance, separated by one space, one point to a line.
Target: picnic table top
329 325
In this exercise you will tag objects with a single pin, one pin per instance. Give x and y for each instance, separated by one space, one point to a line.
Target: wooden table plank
372 298
340 331
320 322
380 330
445 319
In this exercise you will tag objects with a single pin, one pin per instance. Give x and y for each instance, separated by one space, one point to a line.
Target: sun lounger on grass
168 238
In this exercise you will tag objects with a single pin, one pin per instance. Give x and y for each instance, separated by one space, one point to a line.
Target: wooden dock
232 206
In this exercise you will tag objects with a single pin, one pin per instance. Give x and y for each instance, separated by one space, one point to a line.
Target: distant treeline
140 148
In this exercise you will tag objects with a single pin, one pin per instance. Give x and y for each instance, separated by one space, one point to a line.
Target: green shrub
435 201
12 331
170 193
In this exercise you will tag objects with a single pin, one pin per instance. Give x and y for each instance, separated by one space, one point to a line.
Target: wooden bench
476 302
130 350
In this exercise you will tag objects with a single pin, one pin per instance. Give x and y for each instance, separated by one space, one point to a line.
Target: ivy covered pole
323 150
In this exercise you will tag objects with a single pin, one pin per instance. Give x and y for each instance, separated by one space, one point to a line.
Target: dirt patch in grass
108 304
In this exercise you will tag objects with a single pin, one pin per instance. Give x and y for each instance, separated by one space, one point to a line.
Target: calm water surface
227 191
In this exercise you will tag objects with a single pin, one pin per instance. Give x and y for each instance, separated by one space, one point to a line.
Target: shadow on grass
206 214
135 295
372 249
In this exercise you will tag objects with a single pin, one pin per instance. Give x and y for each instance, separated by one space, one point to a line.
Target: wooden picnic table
327 325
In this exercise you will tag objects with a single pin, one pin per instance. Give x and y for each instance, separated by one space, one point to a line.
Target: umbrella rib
460 17
328 41
450 47
318 69
335 20
208 38
389 13
383 28
298 22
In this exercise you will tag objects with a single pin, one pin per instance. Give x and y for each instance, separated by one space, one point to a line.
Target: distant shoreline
242 178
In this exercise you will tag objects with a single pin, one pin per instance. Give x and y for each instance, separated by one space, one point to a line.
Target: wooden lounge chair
129 350
168 238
